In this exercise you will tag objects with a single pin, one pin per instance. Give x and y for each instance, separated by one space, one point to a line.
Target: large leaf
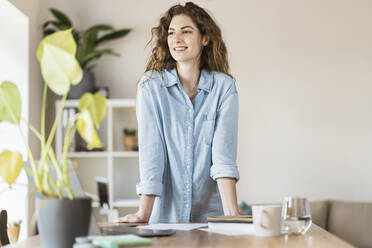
62 18
10 103
114 35
85 127
11 164
96 106
95 55
62 39
59 69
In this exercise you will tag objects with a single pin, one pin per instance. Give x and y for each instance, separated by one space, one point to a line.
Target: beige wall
303 71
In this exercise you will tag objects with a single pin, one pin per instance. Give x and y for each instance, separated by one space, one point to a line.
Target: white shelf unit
111 151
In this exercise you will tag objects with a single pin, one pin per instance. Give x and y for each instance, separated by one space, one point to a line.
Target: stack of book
238 223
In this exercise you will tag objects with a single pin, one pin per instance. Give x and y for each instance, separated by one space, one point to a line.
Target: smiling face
184 40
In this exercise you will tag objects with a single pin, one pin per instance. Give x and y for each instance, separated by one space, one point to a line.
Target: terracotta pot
130 142
13 233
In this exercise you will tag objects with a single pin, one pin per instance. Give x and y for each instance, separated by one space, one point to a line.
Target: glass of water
296 217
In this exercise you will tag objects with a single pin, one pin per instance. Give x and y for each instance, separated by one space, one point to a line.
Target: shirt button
190 110
187 186
188 147
188 166
187 205
190 127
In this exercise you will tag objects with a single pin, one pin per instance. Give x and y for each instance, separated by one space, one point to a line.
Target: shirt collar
205 81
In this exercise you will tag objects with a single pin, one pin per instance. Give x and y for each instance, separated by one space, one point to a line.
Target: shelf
120 114
87 154
115 103
133 154
126 203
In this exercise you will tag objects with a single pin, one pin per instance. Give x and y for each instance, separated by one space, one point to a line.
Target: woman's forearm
145 206
227 188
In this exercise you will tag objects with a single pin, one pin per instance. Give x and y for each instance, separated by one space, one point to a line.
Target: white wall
14 67
303 71
31 10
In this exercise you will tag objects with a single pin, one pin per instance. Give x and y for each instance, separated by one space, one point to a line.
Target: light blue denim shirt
185 145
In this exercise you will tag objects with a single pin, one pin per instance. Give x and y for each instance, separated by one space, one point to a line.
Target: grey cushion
319 213
351 221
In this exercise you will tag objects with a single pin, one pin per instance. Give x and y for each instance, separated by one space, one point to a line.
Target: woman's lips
180 49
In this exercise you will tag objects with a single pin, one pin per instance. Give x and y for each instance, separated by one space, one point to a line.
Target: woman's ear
205 40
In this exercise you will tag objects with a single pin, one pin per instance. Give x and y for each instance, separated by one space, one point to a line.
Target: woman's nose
178 37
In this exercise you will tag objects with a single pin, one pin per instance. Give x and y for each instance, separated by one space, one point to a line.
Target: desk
314 237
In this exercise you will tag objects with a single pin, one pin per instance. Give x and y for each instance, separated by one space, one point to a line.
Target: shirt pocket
209 121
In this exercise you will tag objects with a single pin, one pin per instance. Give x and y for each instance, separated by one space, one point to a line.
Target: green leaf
59 69
10 103
47 32
85 127
97 54
46 24
96 106
99 27
61 17
114 35
62 39
11 164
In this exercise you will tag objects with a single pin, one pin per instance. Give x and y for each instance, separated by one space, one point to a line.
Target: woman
187 112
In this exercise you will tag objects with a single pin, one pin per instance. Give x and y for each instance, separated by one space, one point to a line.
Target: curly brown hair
214 55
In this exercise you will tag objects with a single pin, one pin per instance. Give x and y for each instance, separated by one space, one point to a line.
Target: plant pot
87 84
130 142
61 221
13 233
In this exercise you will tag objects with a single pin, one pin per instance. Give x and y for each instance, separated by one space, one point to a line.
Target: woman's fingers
122 219
129 218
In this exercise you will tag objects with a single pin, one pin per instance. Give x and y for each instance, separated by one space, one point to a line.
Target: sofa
350 221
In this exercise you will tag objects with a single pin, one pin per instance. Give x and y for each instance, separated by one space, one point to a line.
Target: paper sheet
249 231
181 227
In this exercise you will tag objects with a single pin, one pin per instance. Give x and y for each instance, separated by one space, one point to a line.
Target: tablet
154 233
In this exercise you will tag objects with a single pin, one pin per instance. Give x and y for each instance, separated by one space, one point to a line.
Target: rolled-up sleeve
151 150
224 146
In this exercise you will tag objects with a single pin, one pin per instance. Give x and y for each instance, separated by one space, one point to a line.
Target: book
115 241
241 223
231 219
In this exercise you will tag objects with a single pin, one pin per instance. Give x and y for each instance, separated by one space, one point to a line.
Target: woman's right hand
133 218
144 212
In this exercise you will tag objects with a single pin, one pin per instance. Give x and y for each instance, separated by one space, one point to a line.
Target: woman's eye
170 33
187 32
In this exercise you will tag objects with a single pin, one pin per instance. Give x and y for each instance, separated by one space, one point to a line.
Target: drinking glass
296 217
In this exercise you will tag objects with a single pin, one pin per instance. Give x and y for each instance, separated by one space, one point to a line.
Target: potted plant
70 216
130 140
88 42
13 230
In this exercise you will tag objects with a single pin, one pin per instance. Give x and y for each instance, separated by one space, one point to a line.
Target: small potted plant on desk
13 230
60 216
130 140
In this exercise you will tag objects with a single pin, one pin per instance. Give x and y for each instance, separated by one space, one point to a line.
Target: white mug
267 220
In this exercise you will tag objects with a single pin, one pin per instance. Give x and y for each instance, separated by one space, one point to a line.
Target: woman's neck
189 76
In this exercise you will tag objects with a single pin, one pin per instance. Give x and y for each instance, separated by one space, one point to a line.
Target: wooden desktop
314 237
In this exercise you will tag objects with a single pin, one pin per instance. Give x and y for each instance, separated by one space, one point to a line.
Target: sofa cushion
351 221
319 213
